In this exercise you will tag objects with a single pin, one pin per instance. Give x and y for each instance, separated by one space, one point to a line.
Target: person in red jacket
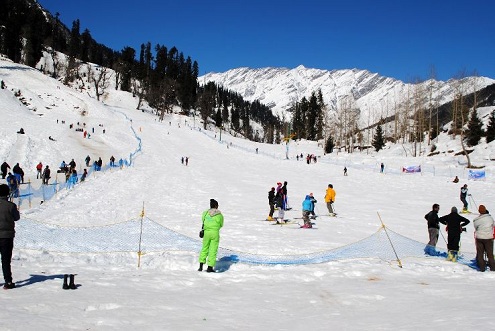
39 169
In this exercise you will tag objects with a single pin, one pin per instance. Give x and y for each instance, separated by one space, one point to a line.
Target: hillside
88 230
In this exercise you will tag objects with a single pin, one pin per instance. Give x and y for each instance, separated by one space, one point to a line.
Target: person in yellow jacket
330 199
212 222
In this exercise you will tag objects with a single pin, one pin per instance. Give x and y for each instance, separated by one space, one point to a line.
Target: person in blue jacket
306 209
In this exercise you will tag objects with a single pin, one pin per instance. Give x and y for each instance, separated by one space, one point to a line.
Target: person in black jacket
455 224
4 168
433 228
18 170
8 215
271 203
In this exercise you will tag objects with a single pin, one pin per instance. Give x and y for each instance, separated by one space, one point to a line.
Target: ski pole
443 235
472 199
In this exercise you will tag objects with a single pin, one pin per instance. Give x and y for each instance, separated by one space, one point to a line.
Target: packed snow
166 292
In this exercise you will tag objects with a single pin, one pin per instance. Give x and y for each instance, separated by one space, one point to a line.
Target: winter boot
65 286
269 218
210 269
72 286
200 267
8 286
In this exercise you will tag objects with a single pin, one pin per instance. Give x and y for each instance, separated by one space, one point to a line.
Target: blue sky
406 40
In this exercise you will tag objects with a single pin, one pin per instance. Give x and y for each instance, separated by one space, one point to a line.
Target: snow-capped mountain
375 95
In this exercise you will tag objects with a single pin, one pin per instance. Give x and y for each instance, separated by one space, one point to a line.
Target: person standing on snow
284 192
8 216
46 175
330 199
483 226
306 209
4 168
464 194
39 169
87 159
271 203
433 229
279 202
455 225
212 223
312 210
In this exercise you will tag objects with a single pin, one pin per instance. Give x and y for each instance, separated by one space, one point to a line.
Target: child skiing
464 193
306 209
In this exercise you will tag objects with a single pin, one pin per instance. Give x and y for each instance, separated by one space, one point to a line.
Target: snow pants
6 247
211 240
484 246
330 207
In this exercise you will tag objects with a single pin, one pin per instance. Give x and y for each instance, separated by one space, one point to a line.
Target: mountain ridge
373 94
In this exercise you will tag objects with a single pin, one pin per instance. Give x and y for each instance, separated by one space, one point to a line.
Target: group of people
277 198
456 224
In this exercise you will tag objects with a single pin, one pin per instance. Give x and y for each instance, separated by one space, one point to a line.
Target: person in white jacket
483 226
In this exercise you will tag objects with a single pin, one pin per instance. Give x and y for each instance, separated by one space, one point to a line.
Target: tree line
163 77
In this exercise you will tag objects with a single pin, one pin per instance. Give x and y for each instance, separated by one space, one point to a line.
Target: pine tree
474 129
329 145
490 129
378 141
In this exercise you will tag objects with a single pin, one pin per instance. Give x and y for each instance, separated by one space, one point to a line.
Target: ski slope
166 292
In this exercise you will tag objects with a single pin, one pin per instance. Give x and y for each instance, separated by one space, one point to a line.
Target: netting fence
143 235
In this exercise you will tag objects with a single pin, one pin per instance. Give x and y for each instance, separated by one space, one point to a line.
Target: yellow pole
393 248
140 237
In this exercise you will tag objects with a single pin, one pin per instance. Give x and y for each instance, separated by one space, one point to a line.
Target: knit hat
482 209
454 210
213 203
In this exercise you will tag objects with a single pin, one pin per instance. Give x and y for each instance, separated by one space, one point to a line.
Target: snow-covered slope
280 88
166 292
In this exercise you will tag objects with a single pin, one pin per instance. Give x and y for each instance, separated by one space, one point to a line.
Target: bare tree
101 80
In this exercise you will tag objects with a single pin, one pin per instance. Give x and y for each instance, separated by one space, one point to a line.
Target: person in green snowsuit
212 222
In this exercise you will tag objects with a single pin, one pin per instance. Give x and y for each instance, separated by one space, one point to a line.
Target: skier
87 159
284 192
464 193
212 223
279 202
382 167
483 226
330 199
8 216
455 225
182 160
312 210
271 203
433 229
46 175
345 171
112 161
456 180
39 169
4 168
306 209
99 163
13 183
187 160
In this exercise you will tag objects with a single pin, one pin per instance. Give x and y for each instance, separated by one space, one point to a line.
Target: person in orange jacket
330 199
